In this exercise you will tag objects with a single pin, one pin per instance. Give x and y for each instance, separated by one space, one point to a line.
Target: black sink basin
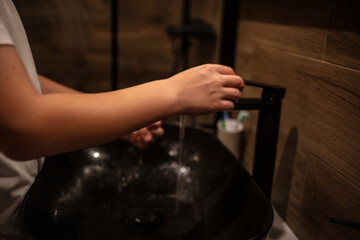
117 191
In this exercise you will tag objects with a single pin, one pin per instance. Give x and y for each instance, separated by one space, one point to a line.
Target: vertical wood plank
297 27
343 40
286 43
321 98
323 104
328 195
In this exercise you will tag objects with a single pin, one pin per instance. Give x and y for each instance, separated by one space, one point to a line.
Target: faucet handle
272 93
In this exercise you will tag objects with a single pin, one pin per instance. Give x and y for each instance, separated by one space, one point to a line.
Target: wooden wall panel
329 195
71 39
320 116
209 12
144 48
298 27
295 39
313 49
146 52
321 98
60 36
343 40
306 13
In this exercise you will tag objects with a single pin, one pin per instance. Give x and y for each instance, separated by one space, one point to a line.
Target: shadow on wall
282 180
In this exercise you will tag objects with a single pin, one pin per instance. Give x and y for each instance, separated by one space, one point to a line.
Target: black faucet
269 106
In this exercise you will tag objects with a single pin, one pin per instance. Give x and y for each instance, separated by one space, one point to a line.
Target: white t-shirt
15 177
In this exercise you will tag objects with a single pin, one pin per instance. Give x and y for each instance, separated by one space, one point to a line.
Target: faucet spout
269 107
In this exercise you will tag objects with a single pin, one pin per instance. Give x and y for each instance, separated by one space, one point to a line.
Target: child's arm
33 125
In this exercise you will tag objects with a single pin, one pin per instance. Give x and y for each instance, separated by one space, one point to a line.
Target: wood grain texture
207 14
322 99
71 39
60 36
322 104
309 47
307 13
298 27
329 195
343 40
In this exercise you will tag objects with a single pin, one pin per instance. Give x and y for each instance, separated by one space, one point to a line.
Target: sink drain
142 219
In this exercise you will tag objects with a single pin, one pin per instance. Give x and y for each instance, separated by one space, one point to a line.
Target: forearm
49 86
64 122
140 137
33 125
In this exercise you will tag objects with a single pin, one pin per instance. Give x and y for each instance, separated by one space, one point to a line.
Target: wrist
171 96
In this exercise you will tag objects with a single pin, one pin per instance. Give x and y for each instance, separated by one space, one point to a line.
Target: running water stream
179 181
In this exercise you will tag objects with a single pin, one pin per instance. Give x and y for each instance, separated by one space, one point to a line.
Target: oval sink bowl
118 191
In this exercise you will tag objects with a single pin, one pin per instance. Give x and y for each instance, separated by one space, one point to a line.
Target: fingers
140 138
155 129
225 70
158 132
226 105
233 85
231 93
155 125
222 69
144 136
209 88
233 81
229 76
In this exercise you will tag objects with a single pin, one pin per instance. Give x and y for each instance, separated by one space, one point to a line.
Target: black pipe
228 32
230 14
265 146
114 44
269 106
185 44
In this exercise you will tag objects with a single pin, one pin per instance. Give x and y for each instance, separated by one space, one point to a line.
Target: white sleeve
5 37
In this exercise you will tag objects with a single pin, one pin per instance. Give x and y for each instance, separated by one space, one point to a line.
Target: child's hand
205 89
144 136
